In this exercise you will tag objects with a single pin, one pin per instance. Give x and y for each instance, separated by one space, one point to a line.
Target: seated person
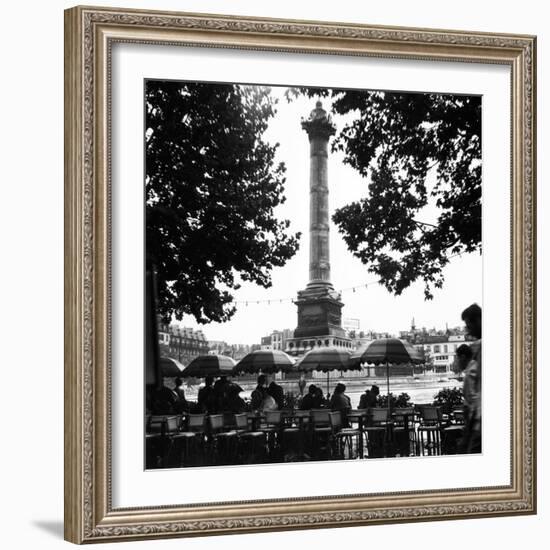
206 397
258 395
164 401
368 399
234 402
313 399
339 400
276 391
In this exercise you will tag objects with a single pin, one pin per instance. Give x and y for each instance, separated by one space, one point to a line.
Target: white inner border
134 487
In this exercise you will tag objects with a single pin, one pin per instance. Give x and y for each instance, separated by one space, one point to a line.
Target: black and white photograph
313 274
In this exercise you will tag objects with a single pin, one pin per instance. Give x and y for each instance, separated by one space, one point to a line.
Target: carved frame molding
89 35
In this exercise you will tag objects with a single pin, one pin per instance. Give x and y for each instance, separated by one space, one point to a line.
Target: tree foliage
212 185
420 154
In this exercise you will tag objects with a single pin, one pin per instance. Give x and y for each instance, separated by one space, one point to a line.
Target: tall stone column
319 305
319 128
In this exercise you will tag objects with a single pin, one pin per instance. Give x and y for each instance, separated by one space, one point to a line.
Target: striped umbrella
209 365
326 359
389 351
170 368
265 361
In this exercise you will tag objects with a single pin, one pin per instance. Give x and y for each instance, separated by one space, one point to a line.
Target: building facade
181 343
277 339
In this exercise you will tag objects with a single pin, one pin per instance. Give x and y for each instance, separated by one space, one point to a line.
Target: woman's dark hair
465 350
178 381
472 312
340 388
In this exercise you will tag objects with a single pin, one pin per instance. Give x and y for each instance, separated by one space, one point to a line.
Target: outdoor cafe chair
452 432
193 434
272 429
222 442
359 417
153 443
255 418
404 432
458 416
343 437
429 430
321 431
170 444
163 423
293 434
251 444
377 430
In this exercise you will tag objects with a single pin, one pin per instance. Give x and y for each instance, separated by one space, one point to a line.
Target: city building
277 339
440 351
181 343
439 346
235 351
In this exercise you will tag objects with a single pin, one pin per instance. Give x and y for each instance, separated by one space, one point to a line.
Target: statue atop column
319 123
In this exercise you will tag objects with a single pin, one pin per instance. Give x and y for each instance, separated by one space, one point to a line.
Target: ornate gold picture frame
90 34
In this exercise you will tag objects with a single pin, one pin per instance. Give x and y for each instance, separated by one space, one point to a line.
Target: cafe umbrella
388 351
264 362
209 365
326 359
170 368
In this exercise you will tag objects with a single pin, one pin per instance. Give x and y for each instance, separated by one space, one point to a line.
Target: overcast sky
376 308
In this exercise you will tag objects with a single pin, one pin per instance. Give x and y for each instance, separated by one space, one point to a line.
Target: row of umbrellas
388 351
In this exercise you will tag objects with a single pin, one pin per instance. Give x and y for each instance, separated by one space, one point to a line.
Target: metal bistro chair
272 428
222 442
404 432
194 435
251 443
171 439
378 424
321 432
154 442
343 437
293 435
359 417
453 432
429 430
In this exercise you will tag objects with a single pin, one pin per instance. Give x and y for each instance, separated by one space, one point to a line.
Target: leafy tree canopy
212 185
419 153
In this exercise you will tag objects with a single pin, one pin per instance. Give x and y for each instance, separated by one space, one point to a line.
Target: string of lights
291 300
